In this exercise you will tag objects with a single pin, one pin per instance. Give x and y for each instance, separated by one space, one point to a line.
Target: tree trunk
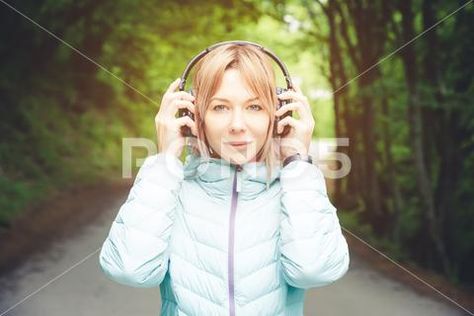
416 133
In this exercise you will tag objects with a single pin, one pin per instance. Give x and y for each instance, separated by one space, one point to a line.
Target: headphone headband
193 61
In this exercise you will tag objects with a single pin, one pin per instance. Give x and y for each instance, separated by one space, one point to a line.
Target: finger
187 121
291 121
183 95
182 104
297 87
293 95
295 106
304 111
173 86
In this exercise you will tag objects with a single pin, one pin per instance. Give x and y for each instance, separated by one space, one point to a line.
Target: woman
229 232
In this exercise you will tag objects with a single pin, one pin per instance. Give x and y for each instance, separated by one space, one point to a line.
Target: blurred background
395 78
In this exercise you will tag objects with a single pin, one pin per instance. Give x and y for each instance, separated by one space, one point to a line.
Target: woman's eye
219 107
255 107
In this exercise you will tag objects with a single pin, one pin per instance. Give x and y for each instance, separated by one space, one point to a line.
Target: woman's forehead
234 85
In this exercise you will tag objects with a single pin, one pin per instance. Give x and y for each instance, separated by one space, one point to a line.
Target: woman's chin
240 159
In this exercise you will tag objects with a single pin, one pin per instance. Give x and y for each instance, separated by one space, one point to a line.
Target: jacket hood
216 176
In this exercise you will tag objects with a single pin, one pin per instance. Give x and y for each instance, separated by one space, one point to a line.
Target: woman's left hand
299 137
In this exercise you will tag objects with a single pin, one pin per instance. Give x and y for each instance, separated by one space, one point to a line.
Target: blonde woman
232 230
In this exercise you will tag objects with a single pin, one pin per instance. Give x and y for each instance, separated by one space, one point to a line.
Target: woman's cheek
259 123
216 129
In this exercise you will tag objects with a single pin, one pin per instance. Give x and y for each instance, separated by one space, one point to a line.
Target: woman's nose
238 122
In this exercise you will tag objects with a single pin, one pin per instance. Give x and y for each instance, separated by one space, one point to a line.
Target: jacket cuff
300 175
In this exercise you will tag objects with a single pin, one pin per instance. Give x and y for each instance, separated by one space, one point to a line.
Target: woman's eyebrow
226 100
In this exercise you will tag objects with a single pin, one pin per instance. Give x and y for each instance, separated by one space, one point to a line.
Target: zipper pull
238 169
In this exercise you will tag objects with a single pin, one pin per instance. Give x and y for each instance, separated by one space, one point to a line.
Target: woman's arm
314 252
135 251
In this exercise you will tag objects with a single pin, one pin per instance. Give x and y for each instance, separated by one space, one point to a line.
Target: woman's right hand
168 126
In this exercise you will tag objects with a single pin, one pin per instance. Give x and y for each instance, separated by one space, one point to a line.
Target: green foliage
15 197
66 116
351 221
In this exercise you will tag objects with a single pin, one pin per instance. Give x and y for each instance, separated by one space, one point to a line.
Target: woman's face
236 122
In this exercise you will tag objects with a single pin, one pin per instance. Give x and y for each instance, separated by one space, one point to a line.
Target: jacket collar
216 176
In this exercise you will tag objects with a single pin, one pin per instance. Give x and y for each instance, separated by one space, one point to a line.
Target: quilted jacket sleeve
135 250
313 249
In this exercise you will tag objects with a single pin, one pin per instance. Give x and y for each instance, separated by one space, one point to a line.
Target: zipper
236 186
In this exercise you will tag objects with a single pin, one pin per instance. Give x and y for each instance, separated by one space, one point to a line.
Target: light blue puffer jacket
218 242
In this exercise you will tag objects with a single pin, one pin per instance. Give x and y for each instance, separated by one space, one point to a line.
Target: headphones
186 131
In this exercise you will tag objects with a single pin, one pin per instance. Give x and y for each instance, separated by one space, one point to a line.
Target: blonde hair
257 70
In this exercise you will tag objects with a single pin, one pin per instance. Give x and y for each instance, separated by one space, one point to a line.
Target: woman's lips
241 144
